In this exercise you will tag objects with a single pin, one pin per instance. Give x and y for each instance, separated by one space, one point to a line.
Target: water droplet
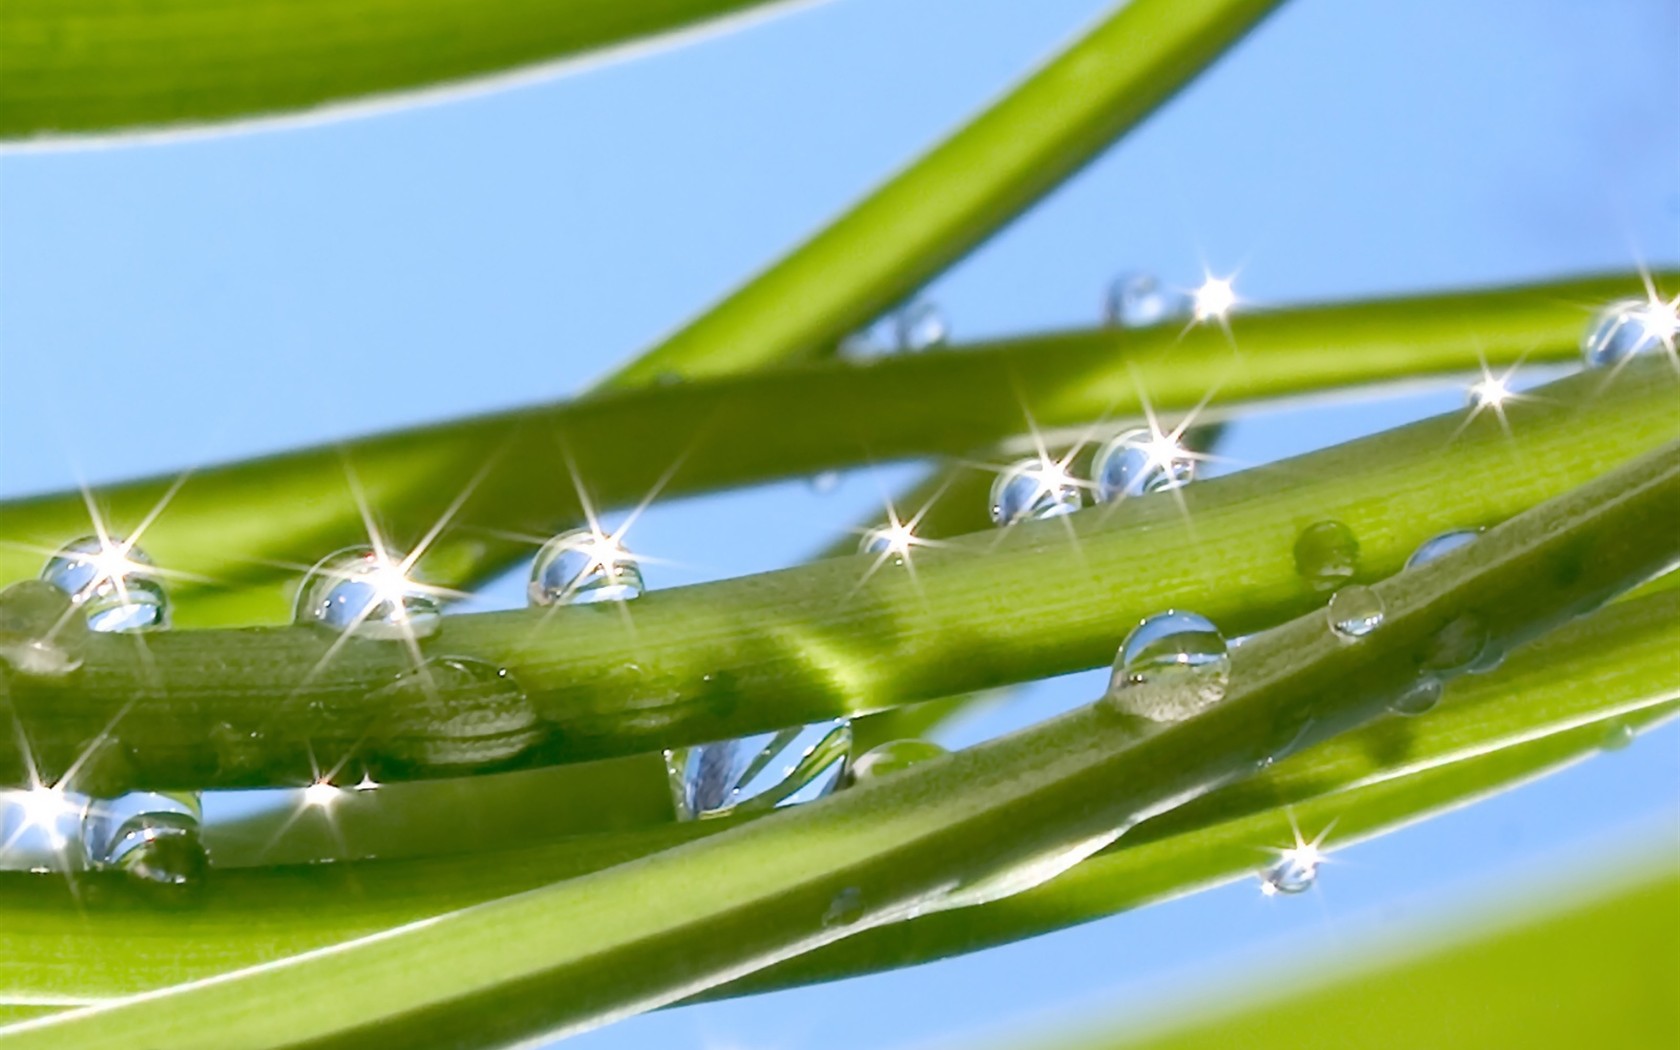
42 633
1138 462
845 909
920 326
1294 872
1326 555
1137 300
1626 328
1419 698
894 541
1457 647
1354 612
153 837
454 712
1034 489
1437 547
582 567
1181 656
1617 735
824 482
112 581
758 772
362 592
894 756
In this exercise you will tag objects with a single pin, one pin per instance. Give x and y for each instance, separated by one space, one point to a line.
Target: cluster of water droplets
1136 462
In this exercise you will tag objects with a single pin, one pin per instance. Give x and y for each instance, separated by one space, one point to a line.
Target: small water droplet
1420 698
1182 656
920 326
894 756
112 581
758 772
1326 555
894 541
845 909
1354 612
454 712
581 567
1457 647
369 594
1138 462
42 633
1437 547
152 837
1628 327
1137 300
1294 872
1617 735
1033 489
824 482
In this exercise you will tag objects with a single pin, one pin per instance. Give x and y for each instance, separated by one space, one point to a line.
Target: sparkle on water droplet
1138 462
894 756
1137 300
1213 300
153 837
920 326
1182 656
112 581
1355 612
369 594
42 633
1438 547
581 567
1629 327
892 541
1033 489
1294 871
454 712
758 772
1326 555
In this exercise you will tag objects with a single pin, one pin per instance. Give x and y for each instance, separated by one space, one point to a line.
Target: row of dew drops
107 584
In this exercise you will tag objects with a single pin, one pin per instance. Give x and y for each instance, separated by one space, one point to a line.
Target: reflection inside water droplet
1437 547
454 712
1354 612
1626 328
1034 489
1139 462
42 632
758 772
1181 657
583 566
1326 555
369 594
113 582
152 837
892 757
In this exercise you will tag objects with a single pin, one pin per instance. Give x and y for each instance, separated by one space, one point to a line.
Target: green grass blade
738 656
1598 969
241 525
579 953
79 67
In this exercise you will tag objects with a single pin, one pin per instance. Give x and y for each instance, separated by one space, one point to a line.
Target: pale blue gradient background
163 306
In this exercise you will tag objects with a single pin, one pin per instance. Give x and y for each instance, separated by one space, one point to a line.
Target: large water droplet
1138 462
1418 698
1354 612
1184 660
920 326
42 633
1437 547
1294 872
153 837
1137 300
1034 489
112 581
758 772
1626 328
894 756
369 594
455 712
581 567
1326 555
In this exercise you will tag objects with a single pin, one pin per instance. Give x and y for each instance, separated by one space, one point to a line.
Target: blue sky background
163 306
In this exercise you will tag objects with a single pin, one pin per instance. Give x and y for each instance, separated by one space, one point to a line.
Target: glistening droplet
369 594
1294 872
920 326
1354 612
1139 462
1418 698
112 581
1628 327
453 712
894 756
583 566
1137 300
1326 555
758 772
42 633
153 837
1180 657
1437 547
1033 489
